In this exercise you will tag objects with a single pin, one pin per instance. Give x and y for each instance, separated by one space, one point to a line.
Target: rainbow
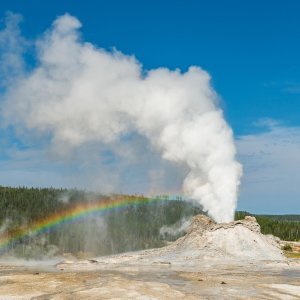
75 213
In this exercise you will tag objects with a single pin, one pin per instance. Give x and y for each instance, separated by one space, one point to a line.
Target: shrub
287 247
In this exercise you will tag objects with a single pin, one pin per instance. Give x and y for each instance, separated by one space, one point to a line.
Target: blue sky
250 48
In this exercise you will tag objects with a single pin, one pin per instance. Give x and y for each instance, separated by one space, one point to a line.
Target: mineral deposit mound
207 241
238 240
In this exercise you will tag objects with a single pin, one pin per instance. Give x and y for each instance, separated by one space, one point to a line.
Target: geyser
79 94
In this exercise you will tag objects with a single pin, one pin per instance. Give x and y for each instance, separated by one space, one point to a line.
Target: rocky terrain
212 261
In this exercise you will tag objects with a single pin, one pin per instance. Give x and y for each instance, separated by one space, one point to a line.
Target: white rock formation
241 240
206 242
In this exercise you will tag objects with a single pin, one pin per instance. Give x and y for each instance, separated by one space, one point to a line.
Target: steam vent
205 241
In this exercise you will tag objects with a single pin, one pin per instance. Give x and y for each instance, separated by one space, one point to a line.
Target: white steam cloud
79 94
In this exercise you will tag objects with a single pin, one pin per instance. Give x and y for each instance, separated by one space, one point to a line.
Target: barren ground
212 261
269 281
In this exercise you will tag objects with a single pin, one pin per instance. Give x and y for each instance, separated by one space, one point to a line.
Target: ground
244 281
212 261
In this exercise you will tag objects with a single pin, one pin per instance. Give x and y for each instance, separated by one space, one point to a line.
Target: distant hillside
292 218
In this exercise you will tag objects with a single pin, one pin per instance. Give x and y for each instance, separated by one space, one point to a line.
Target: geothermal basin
212 261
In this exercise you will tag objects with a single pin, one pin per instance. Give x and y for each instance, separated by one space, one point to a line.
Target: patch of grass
290 254
287 247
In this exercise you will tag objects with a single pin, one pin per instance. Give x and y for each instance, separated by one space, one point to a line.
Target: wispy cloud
285 86
291 87
12 46
271 162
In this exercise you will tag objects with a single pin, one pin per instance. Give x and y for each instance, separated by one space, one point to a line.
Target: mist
79 96
177 229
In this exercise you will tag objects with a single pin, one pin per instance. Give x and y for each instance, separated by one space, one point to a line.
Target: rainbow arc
70 215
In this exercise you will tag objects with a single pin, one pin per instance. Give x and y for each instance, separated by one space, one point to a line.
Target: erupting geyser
78 93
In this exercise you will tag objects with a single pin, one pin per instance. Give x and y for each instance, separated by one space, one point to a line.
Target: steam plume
79 94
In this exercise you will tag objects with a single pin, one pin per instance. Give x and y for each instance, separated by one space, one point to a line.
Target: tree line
133 227
286 227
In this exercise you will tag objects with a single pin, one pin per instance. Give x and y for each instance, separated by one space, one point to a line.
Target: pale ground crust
212 261
219 281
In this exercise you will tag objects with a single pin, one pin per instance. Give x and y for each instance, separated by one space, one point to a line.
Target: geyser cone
238 240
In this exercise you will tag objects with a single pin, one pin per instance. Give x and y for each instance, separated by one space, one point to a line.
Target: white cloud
12 46
271 161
